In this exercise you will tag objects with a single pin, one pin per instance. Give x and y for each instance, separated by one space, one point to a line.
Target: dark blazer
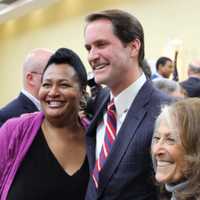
128 173
93 104
22 104
192 86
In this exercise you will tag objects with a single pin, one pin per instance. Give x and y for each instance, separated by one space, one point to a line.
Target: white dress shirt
122 103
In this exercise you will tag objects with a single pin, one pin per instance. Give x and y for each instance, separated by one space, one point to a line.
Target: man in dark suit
114 40
192 84
27 101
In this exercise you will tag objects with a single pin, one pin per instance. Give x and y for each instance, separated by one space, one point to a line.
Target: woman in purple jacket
43 155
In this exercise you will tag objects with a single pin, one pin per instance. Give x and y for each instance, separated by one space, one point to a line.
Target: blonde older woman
176 149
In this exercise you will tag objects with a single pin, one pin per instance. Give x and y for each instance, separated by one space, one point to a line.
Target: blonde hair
184 115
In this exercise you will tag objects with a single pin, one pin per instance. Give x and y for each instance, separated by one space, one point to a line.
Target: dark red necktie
109 138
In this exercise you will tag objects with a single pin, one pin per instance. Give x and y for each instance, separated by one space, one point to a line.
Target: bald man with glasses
27 101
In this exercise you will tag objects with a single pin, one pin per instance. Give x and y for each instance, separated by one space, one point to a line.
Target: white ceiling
11 9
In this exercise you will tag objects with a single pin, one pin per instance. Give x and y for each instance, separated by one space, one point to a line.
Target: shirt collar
32 98
159 75
124 100
176 187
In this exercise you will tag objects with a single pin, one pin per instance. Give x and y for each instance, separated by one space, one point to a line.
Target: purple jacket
16 136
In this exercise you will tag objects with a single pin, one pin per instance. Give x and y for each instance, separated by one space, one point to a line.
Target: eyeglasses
37 73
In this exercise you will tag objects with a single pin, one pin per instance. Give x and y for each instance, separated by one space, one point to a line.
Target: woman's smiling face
168 153
60 91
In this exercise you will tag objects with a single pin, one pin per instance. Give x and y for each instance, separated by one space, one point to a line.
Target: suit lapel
126 133
91 133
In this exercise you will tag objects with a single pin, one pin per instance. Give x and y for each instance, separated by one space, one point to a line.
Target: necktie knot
111 106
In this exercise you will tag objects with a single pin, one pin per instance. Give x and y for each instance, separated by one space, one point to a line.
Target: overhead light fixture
20 7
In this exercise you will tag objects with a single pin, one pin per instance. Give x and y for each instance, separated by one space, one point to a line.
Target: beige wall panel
62 24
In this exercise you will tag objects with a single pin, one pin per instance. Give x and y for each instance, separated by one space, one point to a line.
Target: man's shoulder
16 107
10 109
16 103
190 80
192 86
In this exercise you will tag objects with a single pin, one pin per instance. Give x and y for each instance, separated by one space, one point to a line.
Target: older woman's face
60 92
168 153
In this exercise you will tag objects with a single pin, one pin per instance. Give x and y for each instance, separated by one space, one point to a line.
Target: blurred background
169 26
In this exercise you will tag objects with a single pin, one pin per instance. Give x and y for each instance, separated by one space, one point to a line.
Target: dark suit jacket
192 86
15 108
128 173
93 104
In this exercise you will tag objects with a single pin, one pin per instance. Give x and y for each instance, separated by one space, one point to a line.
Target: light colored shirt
32 98
122 103
156 75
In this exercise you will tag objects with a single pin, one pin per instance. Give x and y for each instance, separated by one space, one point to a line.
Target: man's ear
135 47
29 78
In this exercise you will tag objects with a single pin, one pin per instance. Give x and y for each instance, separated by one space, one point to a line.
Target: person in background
43 154
119 137
170 87
192 84
147 69
95 91
164 68
27 101
93 86
176 150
